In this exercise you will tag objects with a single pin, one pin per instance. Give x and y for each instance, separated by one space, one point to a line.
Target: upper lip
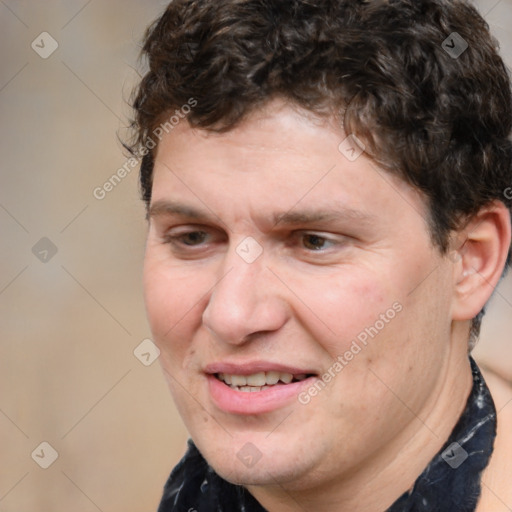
252 367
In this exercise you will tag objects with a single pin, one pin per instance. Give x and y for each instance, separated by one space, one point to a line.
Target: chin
250 466
263 474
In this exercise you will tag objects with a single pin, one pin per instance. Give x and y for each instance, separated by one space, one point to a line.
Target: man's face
272 251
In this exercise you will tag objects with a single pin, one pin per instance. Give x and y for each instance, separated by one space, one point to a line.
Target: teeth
258 381
272 377
286 377
238 380
249 389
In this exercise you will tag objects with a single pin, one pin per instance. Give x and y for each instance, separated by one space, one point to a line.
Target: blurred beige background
71 308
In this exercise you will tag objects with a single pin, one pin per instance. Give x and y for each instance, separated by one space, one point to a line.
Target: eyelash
320 237
177 240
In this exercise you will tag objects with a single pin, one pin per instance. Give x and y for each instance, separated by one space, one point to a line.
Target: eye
186 238
193 238
314 242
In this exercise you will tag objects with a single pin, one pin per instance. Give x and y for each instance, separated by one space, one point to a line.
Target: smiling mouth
259 381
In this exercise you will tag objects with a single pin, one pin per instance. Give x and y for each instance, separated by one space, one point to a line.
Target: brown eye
194 237
186 239
314 242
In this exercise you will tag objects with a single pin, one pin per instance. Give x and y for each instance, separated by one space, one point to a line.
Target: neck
381 480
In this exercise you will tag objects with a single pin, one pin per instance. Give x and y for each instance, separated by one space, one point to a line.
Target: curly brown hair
438 120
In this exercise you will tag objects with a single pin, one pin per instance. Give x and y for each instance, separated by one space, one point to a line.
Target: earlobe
484 243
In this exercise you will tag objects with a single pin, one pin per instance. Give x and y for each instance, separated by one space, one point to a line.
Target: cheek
173 298
342 306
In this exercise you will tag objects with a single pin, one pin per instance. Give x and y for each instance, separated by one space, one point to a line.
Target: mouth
260 381
255 388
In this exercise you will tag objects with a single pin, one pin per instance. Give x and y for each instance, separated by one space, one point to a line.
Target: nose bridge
242 302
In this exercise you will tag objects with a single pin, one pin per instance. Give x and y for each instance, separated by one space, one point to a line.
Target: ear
483 246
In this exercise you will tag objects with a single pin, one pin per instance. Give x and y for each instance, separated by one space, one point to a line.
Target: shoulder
497 477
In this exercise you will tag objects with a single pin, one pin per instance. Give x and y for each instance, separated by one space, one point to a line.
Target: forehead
280 159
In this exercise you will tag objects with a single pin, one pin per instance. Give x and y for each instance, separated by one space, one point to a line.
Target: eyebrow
306 216
163 207
328 215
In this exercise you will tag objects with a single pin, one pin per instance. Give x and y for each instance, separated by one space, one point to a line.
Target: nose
245 301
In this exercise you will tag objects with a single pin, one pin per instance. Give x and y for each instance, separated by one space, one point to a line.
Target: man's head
275 243
385 70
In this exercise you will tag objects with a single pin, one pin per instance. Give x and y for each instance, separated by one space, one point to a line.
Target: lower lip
257 402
